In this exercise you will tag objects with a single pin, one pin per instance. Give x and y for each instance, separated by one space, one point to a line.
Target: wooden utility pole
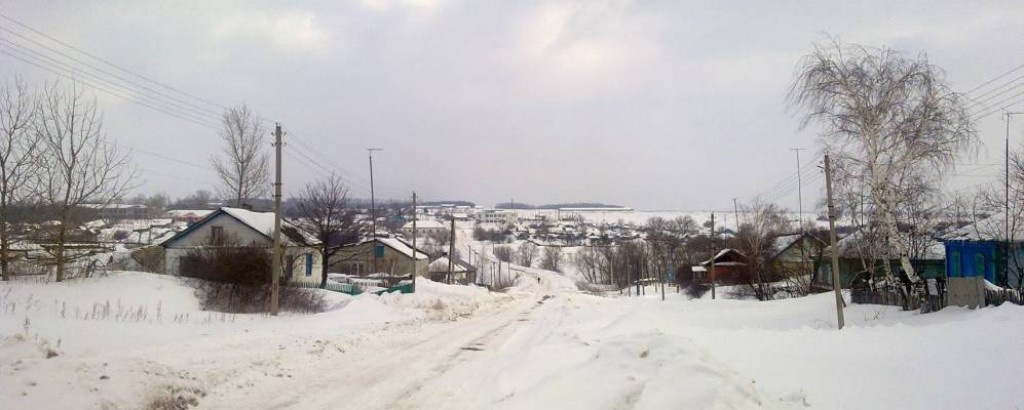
275 264
711 270
832 241
414 264
451 252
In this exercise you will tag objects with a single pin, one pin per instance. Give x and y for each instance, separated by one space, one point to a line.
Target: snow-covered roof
441 265
398 245
264 223
182 212
721 254
992 228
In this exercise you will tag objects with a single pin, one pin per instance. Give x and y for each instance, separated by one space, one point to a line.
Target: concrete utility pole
832 242
451 252
799 188
275 263
414 273
373 209
736 213
714 252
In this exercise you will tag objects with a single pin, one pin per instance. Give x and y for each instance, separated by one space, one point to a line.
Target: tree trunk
61 235
324 256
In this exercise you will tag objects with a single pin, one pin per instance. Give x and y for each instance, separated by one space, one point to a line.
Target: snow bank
438 301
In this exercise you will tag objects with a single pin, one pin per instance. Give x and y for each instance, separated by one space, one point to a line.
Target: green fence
400 289
346 288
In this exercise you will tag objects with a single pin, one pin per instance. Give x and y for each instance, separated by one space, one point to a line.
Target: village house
241 227
424 227
462 272
380 255
983 250
860 260
796 254
730 267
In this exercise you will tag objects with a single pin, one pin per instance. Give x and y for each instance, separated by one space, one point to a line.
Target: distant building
496 216
423 228
187 215
120 211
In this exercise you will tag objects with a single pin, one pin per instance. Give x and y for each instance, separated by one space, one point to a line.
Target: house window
309 265
217 234
955 262
379 251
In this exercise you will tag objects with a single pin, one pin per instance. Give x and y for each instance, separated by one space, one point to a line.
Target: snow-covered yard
131 339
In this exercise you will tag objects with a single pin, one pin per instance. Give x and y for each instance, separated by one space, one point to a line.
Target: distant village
600 246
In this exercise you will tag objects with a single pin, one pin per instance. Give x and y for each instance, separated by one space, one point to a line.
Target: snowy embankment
127 339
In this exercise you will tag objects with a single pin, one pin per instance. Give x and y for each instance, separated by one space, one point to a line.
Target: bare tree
551 259
18 157
200 199
79 165
756 238
885 116
244 169
527 252
503 253
325 214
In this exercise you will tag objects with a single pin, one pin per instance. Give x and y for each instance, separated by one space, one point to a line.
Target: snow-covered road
538 349
399 366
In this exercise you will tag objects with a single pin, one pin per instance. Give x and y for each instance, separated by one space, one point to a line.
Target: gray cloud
649 104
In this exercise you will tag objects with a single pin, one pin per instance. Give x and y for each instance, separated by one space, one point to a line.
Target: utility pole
714 252
373 209
736 213
414 267
275 263
832 242
799 188
451 252
1006 220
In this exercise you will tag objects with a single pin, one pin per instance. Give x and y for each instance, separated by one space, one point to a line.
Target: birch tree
244 168
79 165
325 212
886 115
19 150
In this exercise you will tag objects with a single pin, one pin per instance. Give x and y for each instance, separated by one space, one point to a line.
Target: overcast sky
655 105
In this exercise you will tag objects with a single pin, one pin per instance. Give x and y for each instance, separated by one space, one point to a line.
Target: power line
1005 89
41 65
175 102
1015 69
1001 106
125 70
180 161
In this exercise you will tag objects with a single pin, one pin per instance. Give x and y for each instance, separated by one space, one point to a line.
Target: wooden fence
895 296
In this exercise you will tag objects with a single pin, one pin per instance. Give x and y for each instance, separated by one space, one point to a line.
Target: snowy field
639 217
129 340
